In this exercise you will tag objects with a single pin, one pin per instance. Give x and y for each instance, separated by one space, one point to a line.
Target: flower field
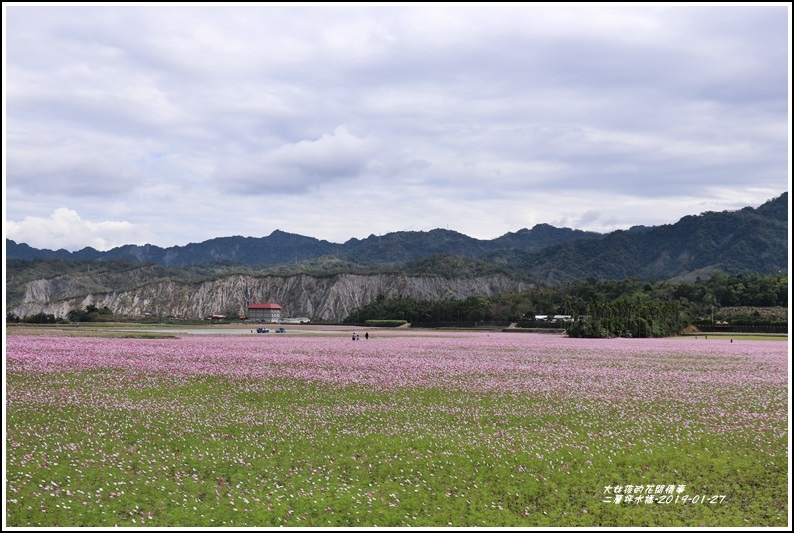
442 429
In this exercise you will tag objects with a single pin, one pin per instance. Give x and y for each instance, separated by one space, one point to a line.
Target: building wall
264 315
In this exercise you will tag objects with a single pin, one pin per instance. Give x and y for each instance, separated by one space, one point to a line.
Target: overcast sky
169 125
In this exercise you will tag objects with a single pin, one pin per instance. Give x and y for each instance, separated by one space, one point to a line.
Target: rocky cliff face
327 298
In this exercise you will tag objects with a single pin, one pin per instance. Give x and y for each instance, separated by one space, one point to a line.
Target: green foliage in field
385 323
241 453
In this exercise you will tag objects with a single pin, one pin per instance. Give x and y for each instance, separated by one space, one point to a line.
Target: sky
172 124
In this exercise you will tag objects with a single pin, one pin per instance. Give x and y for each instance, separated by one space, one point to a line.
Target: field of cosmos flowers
415 429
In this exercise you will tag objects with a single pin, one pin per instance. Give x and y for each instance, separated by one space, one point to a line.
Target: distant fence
541 324
544 331
714 328
492 324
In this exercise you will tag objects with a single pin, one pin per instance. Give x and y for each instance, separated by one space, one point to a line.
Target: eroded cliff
326 298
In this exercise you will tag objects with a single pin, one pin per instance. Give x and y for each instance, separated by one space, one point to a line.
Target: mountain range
733 241
401 263
281 247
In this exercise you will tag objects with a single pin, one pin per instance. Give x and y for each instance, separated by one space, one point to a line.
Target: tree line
603 308
91 313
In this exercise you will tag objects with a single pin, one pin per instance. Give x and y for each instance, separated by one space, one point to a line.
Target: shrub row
385 323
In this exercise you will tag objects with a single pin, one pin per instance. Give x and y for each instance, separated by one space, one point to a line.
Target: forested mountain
744 241
748 240
281 248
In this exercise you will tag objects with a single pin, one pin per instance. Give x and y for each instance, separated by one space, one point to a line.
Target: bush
91 314
385 323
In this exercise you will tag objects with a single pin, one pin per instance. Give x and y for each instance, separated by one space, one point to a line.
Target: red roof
264 306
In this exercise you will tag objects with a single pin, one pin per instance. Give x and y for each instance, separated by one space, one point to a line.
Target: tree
91 313
475 308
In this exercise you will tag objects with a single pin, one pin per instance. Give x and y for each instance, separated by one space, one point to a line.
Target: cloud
300 166
207 121
65 229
